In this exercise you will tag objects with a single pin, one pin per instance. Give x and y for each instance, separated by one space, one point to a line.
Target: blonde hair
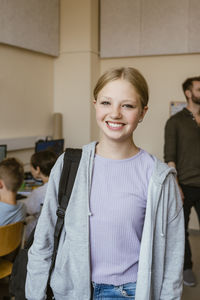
12 173
131 75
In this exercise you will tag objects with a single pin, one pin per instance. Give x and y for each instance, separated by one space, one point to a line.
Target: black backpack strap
70 166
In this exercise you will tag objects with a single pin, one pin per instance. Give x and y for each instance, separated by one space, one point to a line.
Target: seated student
11 178
41 165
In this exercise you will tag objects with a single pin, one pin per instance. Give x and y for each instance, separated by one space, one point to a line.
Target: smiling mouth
113 125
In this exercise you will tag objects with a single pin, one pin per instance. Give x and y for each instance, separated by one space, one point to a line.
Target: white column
76 70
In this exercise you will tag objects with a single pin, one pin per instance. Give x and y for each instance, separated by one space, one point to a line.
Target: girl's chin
117 137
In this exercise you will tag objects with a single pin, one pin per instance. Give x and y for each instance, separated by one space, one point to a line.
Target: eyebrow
133 101
124 100
105 97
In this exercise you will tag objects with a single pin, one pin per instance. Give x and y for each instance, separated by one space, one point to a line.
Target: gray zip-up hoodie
162 245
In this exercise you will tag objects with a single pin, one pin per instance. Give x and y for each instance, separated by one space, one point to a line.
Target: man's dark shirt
182 146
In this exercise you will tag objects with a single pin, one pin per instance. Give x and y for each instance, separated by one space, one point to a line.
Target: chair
10 239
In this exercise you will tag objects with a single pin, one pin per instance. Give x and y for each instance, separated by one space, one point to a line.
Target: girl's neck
113 150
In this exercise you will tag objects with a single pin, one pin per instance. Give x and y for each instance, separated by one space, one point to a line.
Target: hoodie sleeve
175 240
40 253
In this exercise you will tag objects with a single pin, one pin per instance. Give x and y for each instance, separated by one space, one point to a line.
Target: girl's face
118 110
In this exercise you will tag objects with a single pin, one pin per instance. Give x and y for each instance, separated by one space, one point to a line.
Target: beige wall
75 69
32 25
26 94
33 86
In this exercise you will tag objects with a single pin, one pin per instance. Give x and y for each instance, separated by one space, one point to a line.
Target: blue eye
105 102
128 106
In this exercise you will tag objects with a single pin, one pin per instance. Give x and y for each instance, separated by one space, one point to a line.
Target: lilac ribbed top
118 204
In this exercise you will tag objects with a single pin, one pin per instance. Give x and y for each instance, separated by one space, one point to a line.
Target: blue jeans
108 291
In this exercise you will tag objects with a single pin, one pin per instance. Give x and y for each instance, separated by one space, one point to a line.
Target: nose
115 112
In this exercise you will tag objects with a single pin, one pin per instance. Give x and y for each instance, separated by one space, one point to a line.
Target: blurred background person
41 165
11 178
182 151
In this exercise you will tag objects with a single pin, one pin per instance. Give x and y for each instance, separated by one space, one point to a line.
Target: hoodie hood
161 171
159 176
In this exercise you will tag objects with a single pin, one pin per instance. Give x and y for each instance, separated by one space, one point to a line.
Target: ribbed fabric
118 203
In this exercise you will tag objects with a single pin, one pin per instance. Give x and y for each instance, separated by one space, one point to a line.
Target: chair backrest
10 237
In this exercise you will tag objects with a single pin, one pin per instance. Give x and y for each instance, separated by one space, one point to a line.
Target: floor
193 293
189 293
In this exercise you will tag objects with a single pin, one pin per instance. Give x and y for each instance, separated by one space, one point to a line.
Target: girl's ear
144 110
94 103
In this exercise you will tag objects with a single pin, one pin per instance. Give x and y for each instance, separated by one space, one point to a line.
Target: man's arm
173 165
170 147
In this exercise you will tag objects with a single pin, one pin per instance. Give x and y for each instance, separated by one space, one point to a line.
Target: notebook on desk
29 184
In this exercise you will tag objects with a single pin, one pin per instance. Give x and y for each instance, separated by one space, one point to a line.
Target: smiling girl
123 236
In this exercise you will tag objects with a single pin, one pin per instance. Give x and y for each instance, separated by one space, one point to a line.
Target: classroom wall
76 70
33 85
22 19
149 27
26 94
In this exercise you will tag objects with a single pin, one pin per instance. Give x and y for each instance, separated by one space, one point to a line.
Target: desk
27 187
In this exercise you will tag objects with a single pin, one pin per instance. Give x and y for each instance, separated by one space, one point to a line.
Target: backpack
18 277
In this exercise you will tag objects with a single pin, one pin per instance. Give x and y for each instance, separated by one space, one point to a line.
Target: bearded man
182 151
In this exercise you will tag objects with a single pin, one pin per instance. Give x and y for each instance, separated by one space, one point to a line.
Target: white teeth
114 125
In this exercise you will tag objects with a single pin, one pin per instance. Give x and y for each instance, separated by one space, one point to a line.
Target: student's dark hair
131 75
187 84
45 160
12 173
